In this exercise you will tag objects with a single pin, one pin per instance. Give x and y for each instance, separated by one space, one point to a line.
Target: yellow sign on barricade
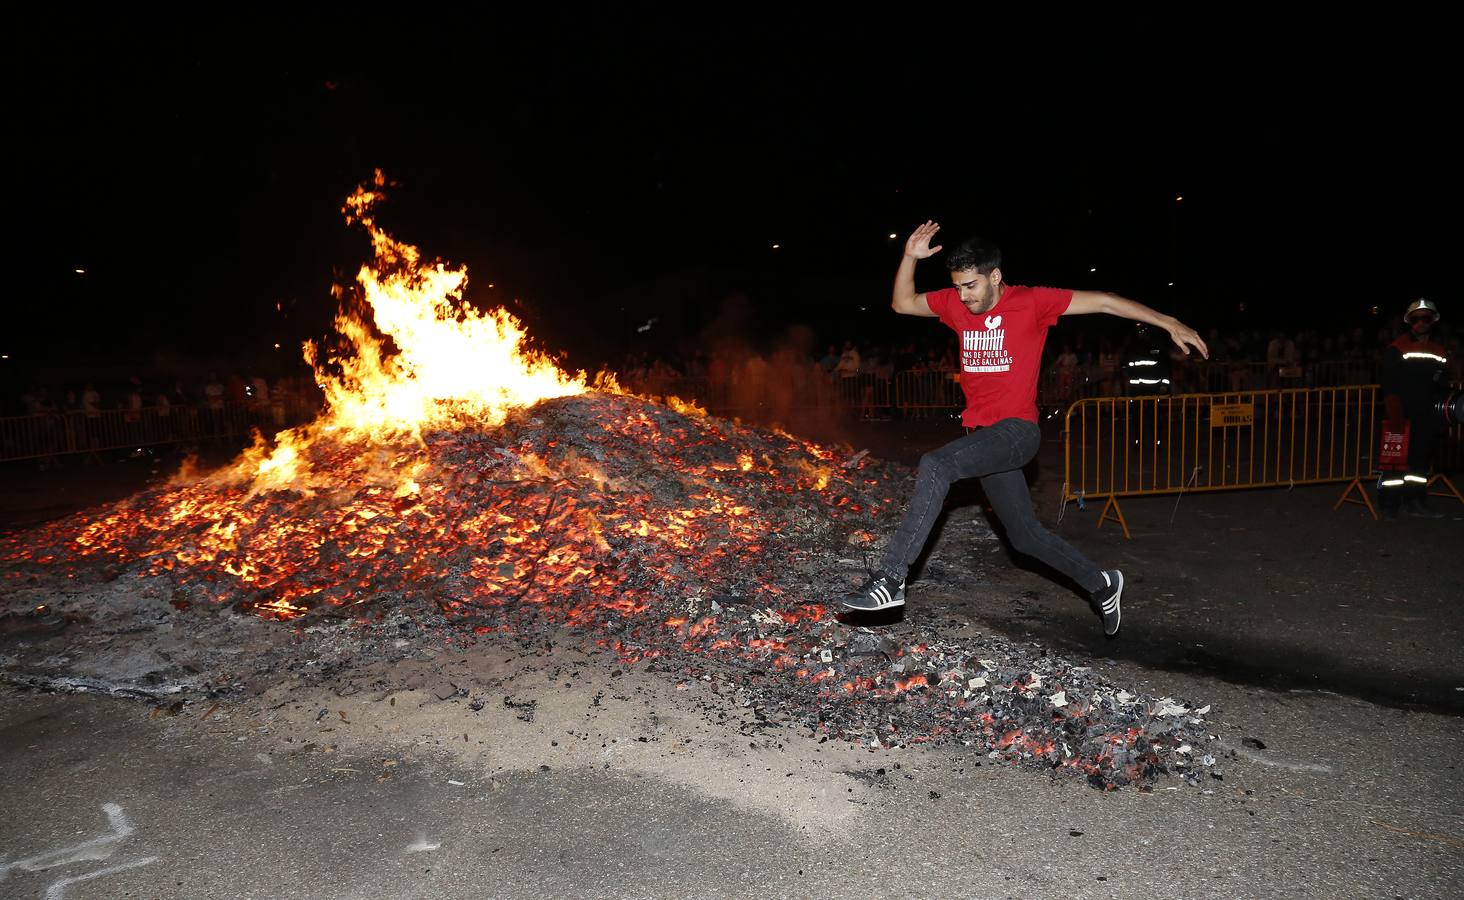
1226 415
1141 446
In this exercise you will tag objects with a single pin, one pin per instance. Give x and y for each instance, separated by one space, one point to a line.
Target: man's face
979 293
1421 322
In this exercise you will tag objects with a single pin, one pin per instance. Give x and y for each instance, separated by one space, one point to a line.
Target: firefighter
1414 369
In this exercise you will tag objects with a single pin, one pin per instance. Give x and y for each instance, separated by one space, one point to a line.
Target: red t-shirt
1001 350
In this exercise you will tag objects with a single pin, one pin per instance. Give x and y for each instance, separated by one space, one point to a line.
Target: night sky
602 170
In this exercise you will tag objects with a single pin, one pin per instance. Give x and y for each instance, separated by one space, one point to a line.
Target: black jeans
994 454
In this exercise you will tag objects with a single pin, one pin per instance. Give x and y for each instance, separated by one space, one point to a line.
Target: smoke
779 385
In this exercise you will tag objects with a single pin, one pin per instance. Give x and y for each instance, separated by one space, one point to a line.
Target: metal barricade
927 393
1144 446
60 434
866 394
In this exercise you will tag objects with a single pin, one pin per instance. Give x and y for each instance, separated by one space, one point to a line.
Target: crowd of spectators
1075 364
134 393
118 416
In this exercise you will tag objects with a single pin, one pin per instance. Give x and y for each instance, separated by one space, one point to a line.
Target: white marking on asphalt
1277 763
98 848
58 888
94 850
421 844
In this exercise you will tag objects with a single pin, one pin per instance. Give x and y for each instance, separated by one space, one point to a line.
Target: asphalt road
1326 642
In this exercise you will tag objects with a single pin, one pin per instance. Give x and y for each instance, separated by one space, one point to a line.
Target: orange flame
447 361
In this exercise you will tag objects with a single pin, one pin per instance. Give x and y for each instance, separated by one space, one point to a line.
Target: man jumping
1002 328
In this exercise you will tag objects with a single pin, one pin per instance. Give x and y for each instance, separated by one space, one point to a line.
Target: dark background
601 169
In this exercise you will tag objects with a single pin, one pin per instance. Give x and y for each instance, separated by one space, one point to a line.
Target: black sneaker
880 591
1108 600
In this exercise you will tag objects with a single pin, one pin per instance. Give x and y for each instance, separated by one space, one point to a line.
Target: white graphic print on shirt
985 351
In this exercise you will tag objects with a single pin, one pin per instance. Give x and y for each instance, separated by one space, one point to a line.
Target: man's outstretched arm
1184 336
917 247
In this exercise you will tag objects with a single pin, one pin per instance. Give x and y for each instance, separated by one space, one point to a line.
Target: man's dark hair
976 253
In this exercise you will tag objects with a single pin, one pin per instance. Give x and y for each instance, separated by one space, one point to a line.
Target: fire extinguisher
1393 456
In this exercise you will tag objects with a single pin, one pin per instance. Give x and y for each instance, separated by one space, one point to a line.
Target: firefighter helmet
1423 306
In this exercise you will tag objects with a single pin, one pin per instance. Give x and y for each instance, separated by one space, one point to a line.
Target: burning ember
456 475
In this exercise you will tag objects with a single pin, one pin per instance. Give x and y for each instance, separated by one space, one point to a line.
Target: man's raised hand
918 244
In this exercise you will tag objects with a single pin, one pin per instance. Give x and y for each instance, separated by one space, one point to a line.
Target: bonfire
458 473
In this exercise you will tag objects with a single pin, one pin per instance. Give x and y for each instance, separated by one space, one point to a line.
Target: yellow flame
437 360
686 407
451 360
818 475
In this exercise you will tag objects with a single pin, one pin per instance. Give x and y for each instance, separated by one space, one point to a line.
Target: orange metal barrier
927 393
1056 388
1143 446
43 437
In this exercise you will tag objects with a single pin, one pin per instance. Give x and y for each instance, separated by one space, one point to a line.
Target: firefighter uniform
1414 374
